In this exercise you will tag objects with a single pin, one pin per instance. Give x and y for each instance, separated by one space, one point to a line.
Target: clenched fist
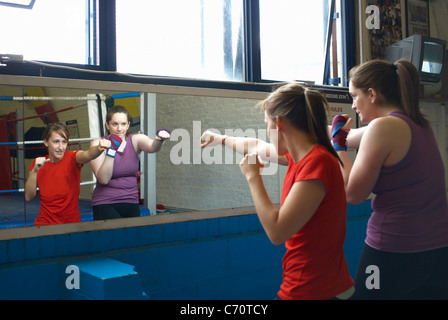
39 163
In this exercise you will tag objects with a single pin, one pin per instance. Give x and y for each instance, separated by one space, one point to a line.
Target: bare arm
379 140
102 166
144 143
354 137
31 186
299 206
31 182
95 150
244 146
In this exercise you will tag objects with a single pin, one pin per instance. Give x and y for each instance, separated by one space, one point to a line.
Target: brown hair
398 83
117 109
58 127
305 109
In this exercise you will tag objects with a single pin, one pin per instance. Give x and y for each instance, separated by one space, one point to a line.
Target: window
233 41
293 47
52 30
193 39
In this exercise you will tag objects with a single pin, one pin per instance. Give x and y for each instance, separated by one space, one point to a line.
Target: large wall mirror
180 178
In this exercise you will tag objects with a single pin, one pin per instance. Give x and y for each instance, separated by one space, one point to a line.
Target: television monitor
426 54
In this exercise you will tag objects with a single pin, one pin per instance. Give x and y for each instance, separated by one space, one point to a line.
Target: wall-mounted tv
427 54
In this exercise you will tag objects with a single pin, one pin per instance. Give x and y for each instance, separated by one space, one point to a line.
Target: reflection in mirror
186 177
12 202
25 111
190 178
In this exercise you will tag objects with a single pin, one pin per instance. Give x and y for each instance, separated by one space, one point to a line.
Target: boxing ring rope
46 113
41 141
31 98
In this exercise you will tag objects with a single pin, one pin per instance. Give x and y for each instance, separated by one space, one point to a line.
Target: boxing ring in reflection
15 212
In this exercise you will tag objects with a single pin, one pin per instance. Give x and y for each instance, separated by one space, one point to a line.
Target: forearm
267 212
346 169
242 145
94 152
83 157
354 137
31 186
155 146
146 144
104 173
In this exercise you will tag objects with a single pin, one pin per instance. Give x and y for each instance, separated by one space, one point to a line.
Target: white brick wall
202 186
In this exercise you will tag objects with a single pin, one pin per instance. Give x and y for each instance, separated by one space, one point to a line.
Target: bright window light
292 36
27 4
200 39
53 30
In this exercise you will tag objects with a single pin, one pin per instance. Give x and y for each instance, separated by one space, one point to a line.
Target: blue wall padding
221 258
30 281
238 267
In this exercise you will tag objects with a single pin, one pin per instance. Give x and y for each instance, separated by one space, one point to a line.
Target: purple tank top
410 206
122 187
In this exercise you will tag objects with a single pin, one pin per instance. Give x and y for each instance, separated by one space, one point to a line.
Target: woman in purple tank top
116 192
406 251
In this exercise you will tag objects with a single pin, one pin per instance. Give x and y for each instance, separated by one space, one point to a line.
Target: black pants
402 276
116 211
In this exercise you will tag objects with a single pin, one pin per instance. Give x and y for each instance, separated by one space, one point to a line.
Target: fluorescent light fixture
25 4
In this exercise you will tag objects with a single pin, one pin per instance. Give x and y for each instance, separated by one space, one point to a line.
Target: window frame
106 69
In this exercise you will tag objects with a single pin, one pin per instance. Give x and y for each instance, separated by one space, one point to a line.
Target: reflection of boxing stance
116 192
58 176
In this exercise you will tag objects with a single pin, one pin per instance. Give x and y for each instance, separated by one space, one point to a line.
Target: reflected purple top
122 188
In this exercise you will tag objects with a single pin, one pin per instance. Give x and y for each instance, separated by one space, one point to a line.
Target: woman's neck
384 111
298 144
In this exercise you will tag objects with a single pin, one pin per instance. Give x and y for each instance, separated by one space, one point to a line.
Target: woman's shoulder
320 157
387 125
320 152
70 156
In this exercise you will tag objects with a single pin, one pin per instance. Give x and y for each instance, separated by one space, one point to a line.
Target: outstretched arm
144 143
95 150
244 145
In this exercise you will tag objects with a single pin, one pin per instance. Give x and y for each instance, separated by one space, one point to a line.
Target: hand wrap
115 142
163 134
339 135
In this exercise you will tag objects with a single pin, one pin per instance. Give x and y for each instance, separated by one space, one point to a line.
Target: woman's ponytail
409 85
317 110
305 109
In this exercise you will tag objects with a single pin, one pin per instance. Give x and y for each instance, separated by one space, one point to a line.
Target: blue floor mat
15 212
